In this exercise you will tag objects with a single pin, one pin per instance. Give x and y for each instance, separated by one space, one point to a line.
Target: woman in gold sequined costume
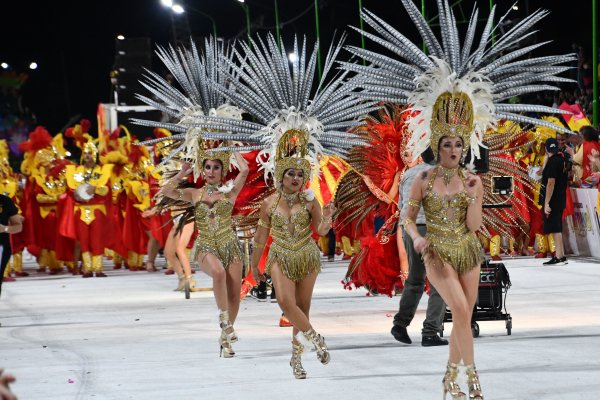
452 201
217 246
294 260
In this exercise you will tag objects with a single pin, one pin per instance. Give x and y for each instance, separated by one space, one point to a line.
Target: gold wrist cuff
264 223
407 221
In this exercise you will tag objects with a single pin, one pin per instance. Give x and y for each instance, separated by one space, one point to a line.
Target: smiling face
293 179
212 171
450 151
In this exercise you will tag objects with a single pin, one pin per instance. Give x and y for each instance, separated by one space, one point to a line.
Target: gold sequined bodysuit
294 251
215 232
447 229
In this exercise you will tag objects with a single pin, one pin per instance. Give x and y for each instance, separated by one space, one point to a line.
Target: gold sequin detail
215 232
447 230
293 247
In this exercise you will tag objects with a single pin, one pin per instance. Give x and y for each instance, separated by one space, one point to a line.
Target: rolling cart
494 283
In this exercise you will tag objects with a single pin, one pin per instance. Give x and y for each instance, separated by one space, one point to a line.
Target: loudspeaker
131 57
492 279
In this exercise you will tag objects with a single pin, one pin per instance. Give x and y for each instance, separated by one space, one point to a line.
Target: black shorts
553 222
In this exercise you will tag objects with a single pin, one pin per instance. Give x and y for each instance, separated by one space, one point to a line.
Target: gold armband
258 245
414 203
180 194
264 224
471 200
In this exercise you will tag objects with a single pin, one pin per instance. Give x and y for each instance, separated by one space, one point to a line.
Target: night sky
74 42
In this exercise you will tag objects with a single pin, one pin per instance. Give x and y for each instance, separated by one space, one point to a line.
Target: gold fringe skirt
227 251
295 264
463 253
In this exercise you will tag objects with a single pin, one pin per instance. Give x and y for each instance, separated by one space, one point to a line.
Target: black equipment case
494 283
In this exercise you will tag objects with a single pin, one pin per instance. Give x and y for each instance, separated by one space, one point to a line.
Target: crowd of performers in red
76 215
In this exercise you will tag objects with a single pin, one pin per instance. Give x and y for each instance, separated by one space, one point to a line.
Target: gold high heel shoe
226 350
319 342
475 392
227 331
450 385
181 284
296 362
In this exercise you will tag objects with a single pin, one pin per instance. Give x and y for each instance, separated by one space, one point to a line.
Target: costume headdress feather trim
488 74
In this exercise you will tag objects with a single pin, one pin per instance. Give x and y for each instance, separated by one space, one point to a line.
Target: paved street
129 336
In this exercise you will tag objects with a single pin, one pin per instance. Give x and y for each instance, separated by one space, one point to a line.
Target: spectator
553 197
5 381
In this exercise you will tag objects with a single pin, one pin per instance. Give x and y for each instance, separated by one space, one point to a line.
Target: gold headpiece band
292 149
452 117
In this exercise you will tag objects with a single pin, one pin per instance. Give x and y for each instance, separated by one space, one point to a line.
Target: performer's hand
90 190
547 209
471 182
419 244
328 211
5 392
151 212
186 169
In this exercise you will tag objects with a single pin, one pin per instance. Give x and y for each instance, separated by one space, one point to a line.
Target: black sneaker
562 261
273 295
259 292
434 340
400 334
553 261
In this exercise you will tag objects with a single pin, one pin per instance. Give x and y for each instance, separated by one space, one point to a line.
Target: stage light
515 7
4 65
177 9
167 3
241 1
120 37
292 57
33 65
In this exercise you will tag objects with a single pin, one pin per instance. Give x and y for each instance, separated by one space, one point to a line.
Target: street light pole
214 24
247 11
277 23
318 39
595 62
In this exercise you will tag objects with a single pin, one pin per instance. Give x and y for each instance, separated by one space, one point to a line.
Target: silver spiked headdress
297 119
456 79
196 73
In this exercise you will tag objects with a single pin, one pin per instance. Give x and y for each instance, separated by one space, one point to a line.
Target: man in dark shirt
553 197
10 222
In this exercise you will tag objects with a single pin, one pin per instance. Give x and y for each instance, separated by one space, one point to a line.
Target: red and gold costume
88 221
137 200
363 203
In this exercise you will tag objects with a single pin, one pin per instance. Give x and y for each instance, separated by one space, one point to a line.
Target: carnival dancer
88 223
217 247
297 121
457 95
381 266
112 151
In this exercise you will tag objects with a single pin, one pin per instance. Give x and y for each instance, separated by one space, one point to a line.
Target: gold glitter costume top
447 230
293 249
215 232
